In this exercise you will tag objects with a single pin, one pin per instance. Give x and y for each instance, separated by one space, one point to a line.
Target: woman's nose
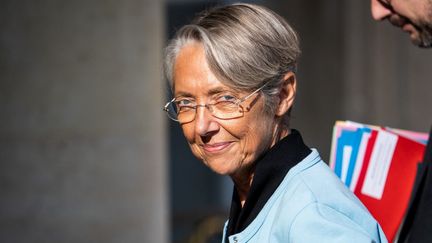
205 123
379 10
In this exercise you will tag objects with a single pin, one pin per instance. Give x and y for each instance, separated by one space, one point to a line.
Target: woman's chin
220 166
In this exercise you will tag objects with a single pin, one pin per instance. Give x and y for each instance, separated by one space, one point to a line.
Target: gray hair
245 45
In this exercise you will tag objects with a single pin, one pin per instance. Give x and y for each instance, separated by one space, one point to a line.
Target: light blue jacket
311 205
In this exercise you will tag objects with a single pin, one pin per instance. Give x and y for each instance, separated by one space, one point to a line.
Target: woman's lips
216 147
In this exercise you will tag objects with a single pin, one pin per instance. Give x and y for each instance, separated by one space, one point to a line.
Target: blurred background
86 152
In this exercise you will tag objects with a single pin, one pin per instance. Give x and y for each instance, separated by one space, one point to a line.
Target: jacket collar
270 170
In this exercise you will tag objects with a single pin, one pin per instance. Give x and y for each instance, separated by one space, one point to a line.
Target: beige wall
82 135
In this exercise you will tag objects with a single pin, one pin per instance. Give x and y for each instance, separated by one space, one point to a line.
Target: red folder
389 210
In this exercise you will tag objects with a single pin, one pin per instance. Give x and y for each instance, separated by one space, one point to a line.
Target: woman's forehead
192 74
198 88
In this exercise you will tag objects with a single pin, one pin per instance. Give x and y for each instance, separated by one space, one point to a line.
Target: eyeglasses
223 106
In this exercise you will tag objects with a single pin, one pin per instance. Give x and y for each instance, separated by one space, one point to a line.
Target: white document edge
379 165
347 151
359 160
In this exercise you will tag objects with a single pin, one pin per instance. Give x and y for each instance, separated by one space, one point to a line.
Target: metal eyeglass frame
208 106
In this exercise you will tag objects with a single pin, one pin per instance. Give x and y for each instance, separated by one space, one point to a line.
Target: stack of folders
379 164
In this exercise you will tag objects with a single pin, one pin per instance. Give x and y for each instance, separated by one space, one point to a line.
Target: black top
270 170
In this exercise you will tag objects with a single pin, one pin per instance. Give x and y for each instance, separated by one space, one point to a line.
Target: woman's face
229 146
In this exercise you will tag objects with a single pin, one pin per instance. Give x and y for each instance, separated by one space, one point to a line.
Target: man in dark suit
415 18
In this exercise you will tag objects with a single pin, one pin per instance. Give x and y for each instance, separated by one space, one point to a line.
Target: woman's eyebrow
218 90
210 92
183 94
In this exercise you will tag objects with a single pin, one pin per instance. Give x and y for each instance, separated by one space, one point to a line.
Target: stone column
82 134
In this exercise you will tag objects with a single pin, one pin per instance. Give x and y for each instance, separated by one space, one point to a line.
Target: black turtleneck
270 170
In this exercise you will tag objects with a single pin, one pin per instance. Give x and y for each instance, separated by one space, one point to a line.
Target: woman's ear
287 94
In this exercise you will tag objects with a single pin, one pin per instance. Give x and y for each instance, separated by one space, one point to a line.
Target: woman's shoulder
315 183
318 222
316 196
312 205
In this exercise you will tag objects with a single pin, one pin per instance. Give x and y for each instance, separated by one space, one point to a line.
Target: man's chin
421 39
424 39
427 45
424 43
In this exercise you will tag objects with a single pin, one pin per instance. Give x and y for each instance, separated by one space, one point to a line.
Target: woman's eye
226 98
185 102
